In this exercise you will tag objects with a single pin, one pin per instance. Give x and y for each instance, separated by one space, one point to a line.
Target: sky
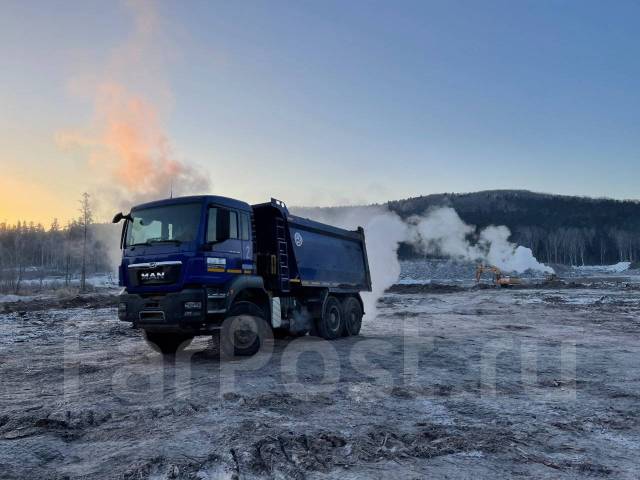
314 102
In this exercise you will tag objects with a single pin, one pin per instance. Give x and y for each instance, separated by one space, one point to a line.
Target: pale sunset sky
314 102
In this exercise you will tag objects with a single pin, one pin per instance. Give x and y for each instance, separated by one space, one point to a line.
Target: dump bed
329 256
298 252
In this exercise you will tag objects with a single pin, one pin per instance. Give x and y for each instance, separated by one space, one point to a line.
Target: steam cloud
440 231
127 145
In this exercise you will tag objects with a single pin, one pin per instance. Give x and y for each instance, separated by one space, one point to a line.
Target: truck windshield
166 224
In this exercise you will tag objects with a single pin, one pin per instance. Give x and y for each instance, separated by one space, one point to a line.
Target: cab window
244 226
233 224
222 224
212 225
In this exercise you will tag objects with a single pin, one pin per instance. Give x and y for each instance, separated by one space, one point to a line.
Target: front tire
330 325
167 343
243 331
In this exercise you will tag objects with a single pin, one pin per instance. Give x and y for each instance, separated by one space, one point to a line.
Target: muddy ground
453 383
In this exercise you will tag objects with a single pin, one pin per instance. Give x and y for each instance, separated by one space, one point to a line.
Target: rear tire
352 312
330 325
243 331
167 343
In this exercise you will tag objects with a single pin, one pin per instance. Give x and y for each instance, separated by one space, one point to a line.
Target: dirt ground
445 383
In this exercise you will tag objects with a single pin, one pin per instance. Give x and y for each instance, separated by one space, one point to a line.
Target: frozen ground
51 283
475 383
461 273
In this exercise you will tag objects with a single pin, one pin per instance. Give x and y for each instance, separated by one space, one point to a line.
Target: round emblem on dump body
298 239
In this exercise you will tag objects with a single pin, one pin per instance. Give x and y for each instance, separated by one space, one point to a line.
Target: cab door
247 243
224 255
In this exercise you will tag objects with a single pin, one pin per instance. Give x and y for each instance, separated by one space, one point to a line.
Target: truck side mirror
117 217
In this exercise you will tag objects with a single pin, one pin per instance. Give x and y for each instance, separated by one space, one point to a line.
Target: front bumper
170 312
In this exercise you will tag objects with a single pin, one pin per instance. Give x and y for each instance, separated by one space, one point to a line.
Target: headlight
216 293
192 305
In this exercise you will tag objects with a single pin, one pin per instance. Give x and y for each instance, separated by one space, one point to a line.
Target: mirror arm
118 217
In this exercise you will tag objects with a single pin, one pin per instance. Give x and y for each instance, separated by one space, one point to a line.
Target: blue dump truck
211 265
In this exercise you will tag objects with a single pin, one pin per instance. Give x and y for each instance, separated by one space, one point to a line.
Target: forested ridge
558 228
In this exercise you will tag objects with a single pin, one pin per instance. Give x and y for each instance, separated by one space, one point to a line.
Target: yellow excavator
499 279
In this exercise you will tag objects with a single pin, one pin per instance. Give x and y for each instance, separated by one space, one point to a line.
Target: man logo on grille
152 276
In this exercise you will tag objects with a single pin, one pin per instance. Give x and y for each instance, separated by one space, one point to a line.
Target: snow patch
15 298
617 268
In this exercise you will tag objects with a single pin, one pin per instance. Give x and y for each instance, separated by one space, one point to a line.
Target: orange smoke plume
127 145
137 152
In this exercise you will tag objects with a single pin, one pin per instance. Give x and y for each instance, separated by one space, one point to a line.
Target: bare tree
554 241
625 245
18 250
86 217
54 238
603 249
584 241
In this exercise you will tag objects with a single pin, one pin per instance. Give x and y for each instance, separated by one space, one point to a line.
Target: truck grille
154 273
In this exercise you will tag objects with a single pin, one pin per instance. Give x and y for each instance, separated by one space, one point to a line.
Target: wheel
243 331
330 325
167 343
352 312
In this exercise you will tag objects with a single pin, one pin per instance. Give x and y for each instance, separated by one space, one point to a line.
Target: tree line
30 253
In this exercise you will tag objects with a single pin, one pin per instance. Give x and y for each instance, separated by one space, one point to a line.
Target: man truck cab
189 263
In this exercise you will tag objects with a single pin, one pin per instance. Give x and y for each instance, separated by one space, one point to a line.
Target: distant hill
558 228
